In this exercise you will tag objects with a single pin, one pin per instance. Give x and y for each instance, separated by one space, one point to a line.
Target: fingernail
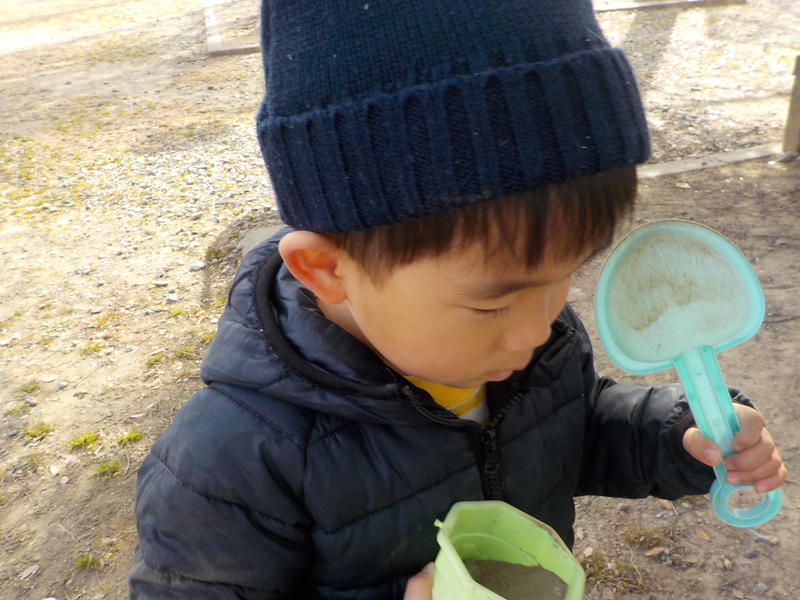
711 456
428 569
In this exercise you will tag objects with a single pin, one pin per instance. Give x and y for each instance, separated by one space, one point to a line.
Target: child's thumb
419 586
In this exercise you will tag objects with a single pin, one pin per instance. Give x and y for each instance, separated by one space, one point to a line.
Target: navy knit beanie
380 111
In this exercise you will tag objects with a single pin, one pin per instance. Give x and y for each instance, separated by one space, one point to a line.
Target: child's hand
419 586
757 460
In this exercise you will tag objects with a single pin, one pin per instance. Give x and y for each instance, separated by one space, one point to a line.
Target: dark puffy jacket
309 469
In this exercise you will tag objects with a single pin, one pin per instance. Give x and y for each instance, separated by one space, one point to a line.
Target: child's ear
313 258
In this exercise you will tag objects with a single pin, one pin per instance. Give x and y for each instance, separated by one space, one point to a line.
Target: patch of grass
184 352
213 253
83 441
19 409
86 561
127 438
37 431
2 501
642 537
222 299
60 325
107 468
207 337
154 359
33 463
177 311
8 320
91 347
30 386
108 317
623 576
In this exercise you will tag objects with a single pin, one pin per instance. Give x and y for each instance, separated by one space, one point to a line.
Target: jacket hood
273 338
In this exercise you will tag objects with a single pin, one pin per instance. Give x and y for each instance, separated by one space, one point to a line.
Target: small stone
161 283
196 217
95 310
198 266
64 480
588 551
48 379
32 570
727 564
763 588
622 507
750 554
780 242
173 298
14 337
54 469
62 385
608 594
80 394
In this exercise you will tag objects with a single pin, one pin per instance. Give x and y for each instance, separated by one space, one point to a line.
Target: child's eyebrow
491 290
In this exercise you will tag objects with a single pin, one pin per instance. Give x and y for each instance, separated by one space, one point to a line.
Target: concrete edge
714 160
214 39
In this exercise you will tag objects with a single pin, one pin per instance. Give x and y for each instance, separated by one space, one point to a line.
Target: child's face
457 319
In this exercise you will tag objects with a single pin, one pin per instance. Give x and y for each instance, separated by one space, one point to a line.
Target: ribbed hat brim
436 147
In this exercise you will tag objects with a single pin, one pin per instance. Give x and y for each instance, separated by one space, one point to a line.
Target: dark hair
584 212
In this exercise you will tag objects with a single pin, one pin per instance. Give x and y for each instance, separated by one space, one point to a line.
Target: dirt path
129 170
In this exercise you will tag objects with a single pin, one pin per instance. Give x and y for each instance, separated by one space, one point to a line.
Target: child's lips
505 374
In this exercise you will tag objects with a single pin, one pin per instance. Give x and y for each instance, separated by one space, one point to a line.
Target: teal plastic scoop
673 293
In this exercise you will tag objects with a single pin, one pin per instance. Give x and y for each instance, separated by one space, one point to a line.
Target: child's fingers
763 486
760 453
769 472
751 426
701 447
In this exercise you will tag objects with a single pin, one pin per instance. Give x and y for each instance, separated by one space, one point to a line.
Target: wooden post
791 135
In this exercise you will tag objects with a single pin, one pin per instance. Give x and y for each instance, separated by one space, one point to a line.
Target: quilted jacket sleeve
216 518
633 445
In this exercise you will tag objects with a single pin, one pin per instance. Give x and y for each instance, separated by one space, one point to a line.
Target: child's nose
527 333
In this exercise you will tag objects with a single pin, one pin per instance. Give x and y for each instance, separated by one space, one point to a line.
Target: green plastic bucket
492 530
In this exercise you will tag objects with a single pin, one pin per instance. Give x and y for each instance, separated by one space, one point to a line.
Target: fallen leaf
655 551
702 535
665 503
608 594
738 594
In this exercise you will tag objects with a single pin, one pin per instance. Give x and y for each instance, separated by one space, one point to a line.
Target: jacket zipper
488 457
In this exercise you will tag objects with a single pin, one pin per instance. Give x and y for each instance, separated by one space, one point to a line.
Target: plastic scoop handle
713 413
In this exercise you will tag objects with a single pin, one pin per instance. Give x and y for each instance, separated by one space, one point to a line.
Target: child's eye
491 312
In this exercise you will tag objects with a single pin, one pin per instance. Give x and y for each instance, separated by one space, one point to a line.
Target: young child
446 167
